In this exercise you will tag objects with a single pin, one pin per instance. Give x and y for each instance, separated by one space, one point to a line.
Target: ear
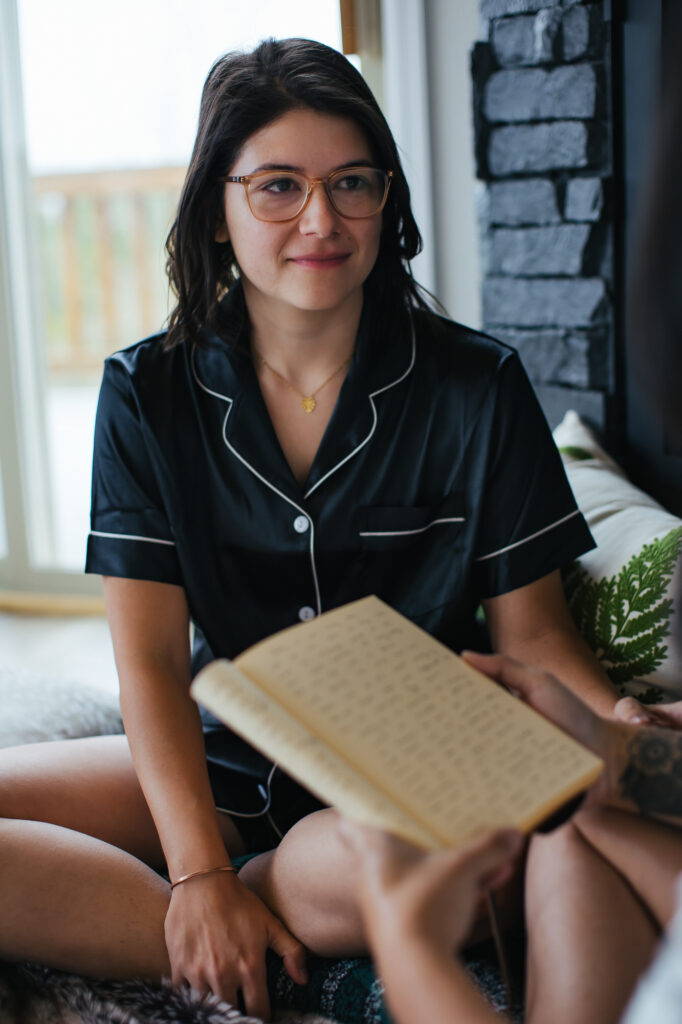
221 234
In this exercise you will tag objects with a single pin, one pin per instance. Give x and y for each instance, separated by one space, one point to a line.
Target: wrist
196 850
198 873
392 928
616 757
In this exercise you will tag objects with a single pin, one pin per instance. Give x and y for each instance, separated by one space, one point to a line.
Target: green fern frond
619 674
652 695
631 650
648 619
606 597
626 618
572 451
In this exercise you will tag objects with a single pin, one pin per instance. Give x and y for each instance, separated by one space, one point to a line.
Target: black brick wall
543 151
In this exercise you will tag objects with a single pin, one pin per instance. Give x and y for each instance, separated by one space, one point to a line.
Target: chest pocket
412 556
392 528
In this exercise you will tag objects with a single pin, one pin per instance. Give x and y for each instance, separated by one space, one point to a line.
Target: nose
319 216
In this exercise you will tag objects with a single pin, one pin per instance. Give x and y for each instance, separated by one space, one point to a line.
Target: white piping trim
375 417
264 791
131 536
404 533
532 536
230 401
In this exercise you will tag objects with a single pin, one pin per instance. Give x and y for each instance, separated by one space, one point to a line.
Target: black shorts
262 801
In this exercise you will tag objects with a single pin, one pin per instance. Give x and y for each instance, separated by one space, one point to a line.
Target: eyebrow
299 170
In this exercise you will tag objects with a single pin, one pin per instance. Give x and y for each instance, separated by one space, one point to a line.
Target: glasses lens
278 195
358 191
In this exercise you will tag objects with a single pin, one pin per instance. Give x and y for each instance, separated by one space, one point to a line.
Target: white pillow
37 707
625 594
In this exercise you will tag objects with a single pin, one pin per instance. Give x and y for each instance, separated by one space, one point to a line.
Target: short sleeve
130 533
530 523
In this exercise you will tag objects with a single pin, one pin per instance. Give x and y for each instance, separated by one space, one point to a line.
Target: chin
321 298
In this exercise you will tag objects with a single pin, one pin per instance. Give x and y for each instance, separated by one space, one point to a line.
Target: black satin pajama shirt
436 484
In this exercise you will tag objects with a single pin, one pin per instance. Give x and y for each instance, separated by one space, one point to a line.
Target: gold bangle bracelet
202 871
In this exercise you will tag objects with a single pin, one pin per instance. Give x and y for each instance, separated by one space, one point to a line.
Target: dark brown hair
243 93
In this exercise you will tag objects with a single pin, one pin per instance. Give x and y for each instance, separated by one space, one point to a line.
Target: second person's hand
666 716
407 893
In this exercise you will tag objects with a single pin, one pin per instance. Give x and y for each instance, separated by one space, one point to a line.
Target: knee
312 839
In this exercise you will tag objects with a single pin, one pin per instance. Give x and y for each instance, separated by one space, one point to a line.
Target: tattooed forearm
653 777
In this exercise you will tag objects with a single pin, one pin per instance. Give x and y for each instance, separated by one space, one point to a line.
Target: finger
668 714
224 984
254 985
203 986
545 694
628 709
291 951
183 978
296 966
178 979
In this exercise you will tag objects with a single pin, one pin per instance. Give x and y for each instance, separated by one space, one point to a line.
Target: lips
320 261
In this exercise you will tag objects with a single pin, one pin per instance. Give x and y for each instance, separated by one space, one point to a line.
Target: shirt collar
383 356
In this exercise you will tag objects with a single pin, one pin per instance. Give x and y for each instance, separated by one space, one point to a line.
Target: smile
318 262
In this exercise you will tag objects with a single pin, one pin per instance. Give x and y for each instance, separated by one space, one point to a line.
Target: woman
304 434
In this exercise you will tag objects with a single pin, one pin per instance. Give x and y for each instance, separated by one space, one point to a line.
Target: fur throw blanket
30 994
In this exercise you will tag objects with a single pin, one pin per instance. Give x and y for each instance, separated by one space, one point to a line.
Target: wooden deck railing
101 244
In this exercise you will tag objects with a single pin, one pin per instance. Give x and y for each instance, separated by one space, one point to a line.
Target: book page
231 695
441 740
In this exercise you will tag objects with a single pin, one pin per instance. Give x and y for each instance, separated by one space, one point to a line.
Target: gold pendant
308 403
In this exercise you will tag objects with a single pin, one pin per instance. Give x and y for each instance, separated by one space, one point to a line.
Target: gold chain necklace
308 403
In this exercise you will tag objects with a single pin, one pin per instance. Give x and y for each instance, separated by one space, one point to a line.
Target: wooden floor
69 648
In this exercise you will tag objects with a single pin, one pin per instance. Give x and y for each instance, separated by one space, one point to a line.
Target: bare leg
647 854
309 884
88 785
589 937
79 904
74 833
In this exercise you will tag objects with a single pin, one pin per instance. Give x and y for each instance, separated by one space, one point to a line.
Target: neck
304 343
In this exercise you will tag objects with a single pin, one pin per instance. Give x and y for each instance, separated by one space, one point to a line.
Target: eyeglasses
354 192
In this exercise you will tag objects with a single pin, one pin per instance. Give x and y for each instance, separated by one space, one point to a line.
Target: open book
377 718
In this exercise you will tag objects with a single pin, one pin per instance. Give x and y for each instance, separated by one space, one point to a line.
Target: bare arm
217 931
417 910
150 630
534 626
643 764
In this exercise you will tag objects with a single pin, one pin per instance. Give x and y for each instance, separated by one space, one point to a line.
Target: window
98 108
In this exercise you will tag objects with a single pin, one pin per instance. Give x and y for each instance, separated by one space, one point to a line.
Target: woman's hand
217 934
408 894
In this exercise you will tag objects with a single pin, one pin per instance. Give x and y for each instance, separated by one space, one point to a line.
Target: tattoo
653 777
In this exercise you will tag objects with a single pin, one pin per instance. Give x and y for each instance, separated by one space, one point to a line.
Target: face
319 261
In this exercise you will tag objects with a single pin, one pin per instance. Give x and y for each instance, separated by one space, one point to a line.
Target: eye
278 185
354 182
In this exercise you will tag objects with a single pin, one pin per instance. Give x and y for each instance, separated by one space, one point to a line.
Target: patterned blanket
345 991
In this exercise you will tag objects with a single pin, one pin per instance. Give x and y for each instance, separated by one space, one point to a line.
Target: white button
301 524
306 613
